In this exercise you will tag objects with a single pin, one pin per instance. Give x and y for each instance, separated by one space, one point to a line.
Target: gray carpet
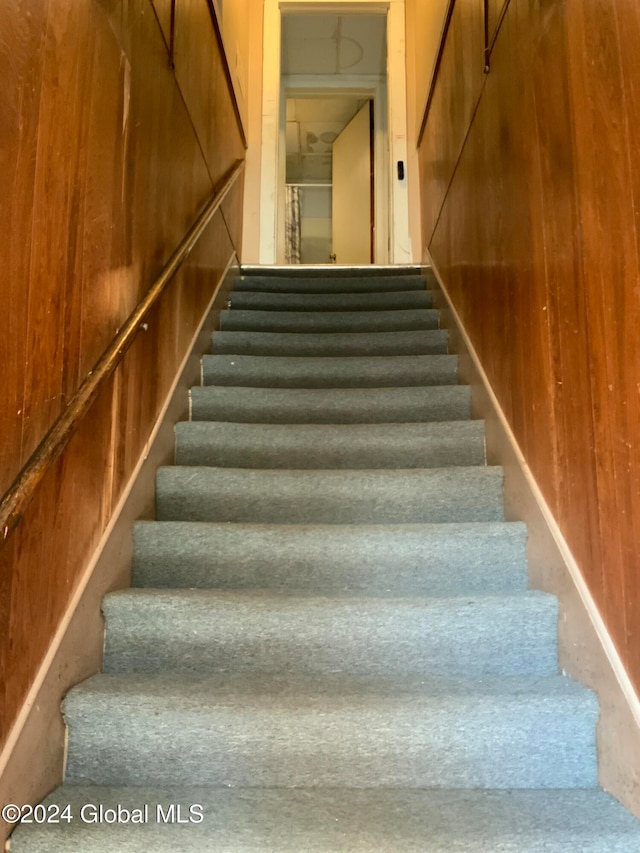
329 644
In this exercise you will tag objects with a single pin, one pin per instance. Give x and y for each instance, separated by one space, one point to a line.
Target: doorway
335 34
329 181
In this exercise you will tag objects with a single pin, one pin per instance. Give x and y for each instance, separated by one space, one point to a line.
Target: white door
351 206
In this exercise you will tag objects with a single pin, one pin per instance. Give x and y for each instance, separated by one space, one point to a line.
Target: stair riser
312 271
334 284
331 322
524 744
400 301
335 406
329 497
275 372
267 446
336 560
204 633
351 344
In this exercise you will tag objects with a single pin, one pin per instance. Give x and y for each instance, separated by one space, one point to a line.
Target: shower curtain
292 225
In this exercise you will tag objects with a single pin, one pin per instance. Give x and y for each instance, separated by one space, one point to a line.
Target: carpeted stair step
205 632
340 270
395 300
330 644
331 406
385 560
319 820
330 321
329 497
320 372
344 344
328 284
510 732
426 445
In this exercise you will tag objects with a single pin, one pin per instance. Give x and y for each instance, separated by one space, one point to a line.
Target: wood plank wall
537 242
106 157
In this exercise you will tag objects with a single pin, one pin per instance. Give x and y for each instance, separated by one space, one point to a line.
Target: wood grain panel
603 84
162 9
60 163
455 96
199 64
496 10
537 242
107 170
21 59
232 214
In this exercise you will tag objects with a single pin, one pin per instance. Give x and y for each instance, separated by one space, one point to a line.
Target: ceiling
334 44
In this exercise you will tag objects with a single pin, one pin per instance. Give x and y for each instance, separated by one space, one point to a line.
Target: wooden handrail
23 488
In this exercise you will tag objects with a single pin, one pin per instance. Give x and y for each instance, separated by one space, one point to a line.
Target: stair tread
329 284
329 372
330 446
534 731
205 631
323 270
330 343
333 405
331 321
400 299
464 493
345 432
456 558
332 820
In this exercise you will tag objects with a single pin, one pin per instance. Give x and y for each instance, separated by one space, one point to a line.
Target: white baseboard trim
22 778
586 649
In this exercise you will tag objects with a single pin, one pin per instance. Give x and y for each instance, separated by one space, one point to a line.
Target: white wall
251 219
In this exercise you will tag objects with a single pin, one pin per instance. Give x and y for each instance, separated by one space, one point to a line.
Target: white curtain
292 225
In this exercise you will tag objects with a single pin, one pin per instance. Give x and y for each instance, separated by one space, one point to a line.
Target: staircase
330 644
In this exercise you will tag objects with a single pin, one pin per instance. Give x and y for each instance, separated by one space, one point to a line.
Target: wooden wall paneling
496 9
232 213
101 265
53 526
108 174
196 69
200 68
162 9
168 179
576 499
628 23
537 242
21 57
506 297
57 195
455 97
532 382
608 204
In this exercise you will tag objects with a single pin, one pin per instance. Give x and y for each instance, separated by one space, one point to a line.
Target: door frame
311 86
390 111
